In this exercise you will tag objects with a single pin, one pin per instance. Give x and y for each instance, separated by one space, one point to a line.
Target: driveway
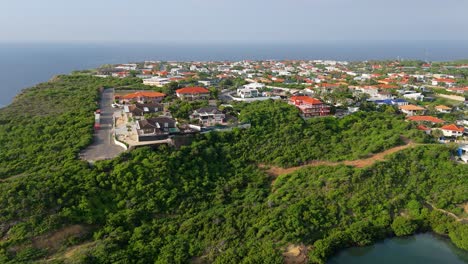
103 146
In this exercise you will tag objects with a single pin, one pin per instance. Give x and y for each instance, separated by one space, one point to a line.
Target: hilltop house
193 93
247 92
138 110
411 110
448 82
452 130
426 119
141 97
156 128
250 90
443 109
208 116
414 96
310 106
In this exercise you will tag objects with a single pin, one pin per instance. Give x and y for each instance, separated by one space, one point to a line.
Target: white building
247 93
127 67
156 81
414 96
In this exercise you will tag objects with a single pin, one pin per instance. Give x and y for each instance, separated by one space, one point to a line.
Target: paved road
103 146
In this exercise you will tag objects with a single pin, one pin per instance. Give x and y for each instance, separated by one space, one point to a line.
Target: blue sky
235 21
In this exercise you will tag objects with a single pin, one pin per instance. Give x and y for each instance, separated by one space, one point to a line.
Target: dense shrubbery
209 201
279 136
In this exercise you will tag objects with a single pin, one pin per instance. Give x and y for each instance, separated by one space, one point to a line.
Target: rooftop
412 107
305 99
192 90
453 127
426 119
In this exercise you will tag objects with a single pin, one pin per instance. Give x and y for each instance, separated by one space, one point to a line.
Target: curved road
103 146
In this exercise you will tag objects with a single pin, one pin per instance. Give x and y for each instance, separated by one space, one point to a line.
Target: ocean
23 65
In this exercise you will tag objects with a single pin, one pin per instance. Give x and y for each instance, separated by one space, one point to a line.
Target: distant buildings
411 110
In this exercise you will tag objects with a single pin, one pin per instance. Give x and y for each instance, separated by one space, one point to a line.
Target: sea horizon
25 64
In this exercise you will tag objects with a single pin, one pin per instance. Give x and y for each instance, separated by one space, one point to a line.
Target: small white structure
247 93
254 85
156 81
250 90
127 67
452 130
414 96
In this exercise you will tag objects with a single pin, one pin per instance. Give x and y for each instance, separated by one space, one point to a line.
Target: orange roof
459 89
443 107
453 127
426 119
192 90
306 99
424 128
143 94
446 80
411 107
387 86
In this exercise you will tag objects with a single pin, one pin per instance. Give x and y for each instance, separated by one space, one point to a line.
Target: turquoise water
422 248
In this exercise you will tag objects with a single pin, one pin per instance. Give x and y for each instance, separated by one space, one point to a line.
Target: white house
452 130
247 93
254 85
414 96
208 116
156 81
448 82
443 109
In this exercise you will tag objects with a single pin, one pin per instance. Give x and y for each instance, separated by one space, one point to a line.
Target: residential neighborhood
184 98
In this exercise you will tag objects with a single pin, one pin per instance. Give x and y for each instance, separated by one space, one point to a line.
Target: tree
403 226
172 87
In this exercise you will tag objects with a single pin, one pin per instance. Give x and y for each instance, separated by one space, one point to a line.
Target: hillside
210 202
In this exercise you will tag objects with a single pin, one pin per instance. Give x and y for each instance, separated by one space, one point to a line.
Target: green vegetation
209 202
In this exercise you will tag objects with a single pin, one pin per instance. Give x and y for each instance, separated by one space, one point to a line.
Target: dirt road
275 171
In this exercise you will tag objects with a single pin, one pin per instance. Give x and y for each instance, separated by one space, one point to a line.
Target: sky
234 21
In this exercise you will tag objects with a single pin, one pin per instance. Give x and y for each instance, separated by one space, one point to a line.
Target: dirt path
275 171
459 219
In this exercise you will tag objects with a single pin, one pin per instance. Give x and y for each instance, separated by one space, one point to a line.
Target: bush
403 226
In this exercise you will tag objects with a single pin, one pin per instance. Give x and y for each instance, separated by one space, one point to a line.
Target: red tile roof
446 80
143 94
423 128
453 127
426 119
192 90
305 99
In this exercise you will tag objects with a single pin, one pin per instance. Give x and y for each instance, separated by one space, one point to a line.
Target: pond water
422 248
